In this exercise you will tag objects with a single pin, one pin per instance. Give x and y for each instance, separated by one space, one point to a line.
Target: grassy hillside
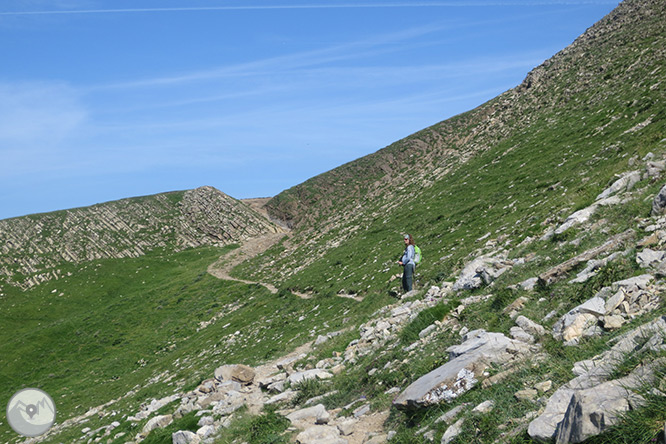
130 330
513 167
106 327
32 247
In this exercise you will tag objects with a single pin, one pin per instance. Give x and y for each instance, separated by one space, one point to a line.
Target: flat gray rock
467 362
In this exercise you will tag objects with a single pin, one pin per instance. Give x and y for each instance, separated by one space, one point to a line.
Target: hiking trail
247 250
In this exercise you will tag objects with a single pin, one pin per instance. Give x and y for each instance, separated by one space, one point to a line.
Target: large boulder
625 183
659 202
467 363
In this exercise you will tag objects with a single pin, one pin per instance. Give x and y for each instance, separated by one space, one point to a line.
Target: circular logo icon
31 412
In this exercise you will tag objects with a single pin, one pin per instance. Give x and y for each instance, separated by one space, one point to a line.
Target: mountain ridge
34 245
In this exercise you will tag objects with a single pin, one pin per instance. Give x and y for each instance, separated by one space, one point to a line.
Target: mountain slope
622 50
33 246
510 188
550 144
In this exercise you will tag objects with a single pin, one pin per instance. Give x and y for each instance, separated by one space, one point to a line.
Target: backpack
417 255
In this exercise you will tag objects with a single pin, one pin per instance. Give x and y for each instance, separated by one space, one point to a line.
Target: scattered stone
484 407
526 395
449 416
530 326
320 435
482 270
157 422
544 387
314 415
452 432
185 437
307 375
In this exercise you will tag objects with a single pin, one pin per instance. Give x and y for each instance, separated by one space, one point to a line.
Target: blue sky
101 100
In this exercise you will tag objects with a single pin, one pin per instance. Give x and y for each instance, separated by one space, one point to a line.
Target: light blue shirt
408 256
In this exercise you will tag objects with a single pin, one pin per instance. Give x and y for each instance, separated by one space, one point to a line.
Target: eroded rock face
467 363
590 403
34 246
609 309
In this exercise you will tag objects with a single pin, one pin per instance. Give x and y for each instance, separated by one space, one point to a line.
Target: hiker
407 261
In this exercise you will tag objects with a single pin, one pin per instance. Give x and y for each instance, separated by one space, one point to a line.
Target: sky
102 100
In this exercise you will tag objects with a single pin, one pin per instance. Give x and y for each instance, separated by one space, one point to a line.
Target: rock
574 328
449 416
659 202
649 257
625 183
347 427
529 284
362 410
579 217
592 411
239 373
514 308
306 375
320 435
206 431
373 438
635 283
521 335
452 432
526 395
206 420
613 322
157 422
467 362
482 270
185 437
484 407
426 331
313 415
543 387
574 324
530 326
556 273
592 384
285 396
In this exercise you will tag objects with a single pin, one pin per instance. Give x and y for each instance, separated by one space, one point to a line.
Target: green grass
115 324
266 428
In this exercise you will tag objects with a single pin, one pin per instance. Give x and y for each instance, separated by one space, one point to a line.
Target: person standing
407 261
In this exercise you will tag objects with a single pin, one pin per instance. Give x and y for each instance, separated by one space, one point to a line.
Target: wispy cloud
38 114
366 5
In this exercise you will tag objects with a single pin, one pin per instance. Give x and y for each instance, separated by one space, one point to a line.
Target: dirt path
248 249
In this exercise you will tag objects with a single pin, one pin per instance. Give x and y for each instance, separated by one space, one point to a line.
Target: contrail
314 6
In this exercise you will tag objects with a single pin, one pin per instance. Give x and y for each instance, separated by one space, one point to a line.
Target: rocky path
248 249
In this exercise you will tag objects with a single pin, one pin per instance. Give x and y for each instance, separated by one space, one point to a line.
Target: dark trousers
407 277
